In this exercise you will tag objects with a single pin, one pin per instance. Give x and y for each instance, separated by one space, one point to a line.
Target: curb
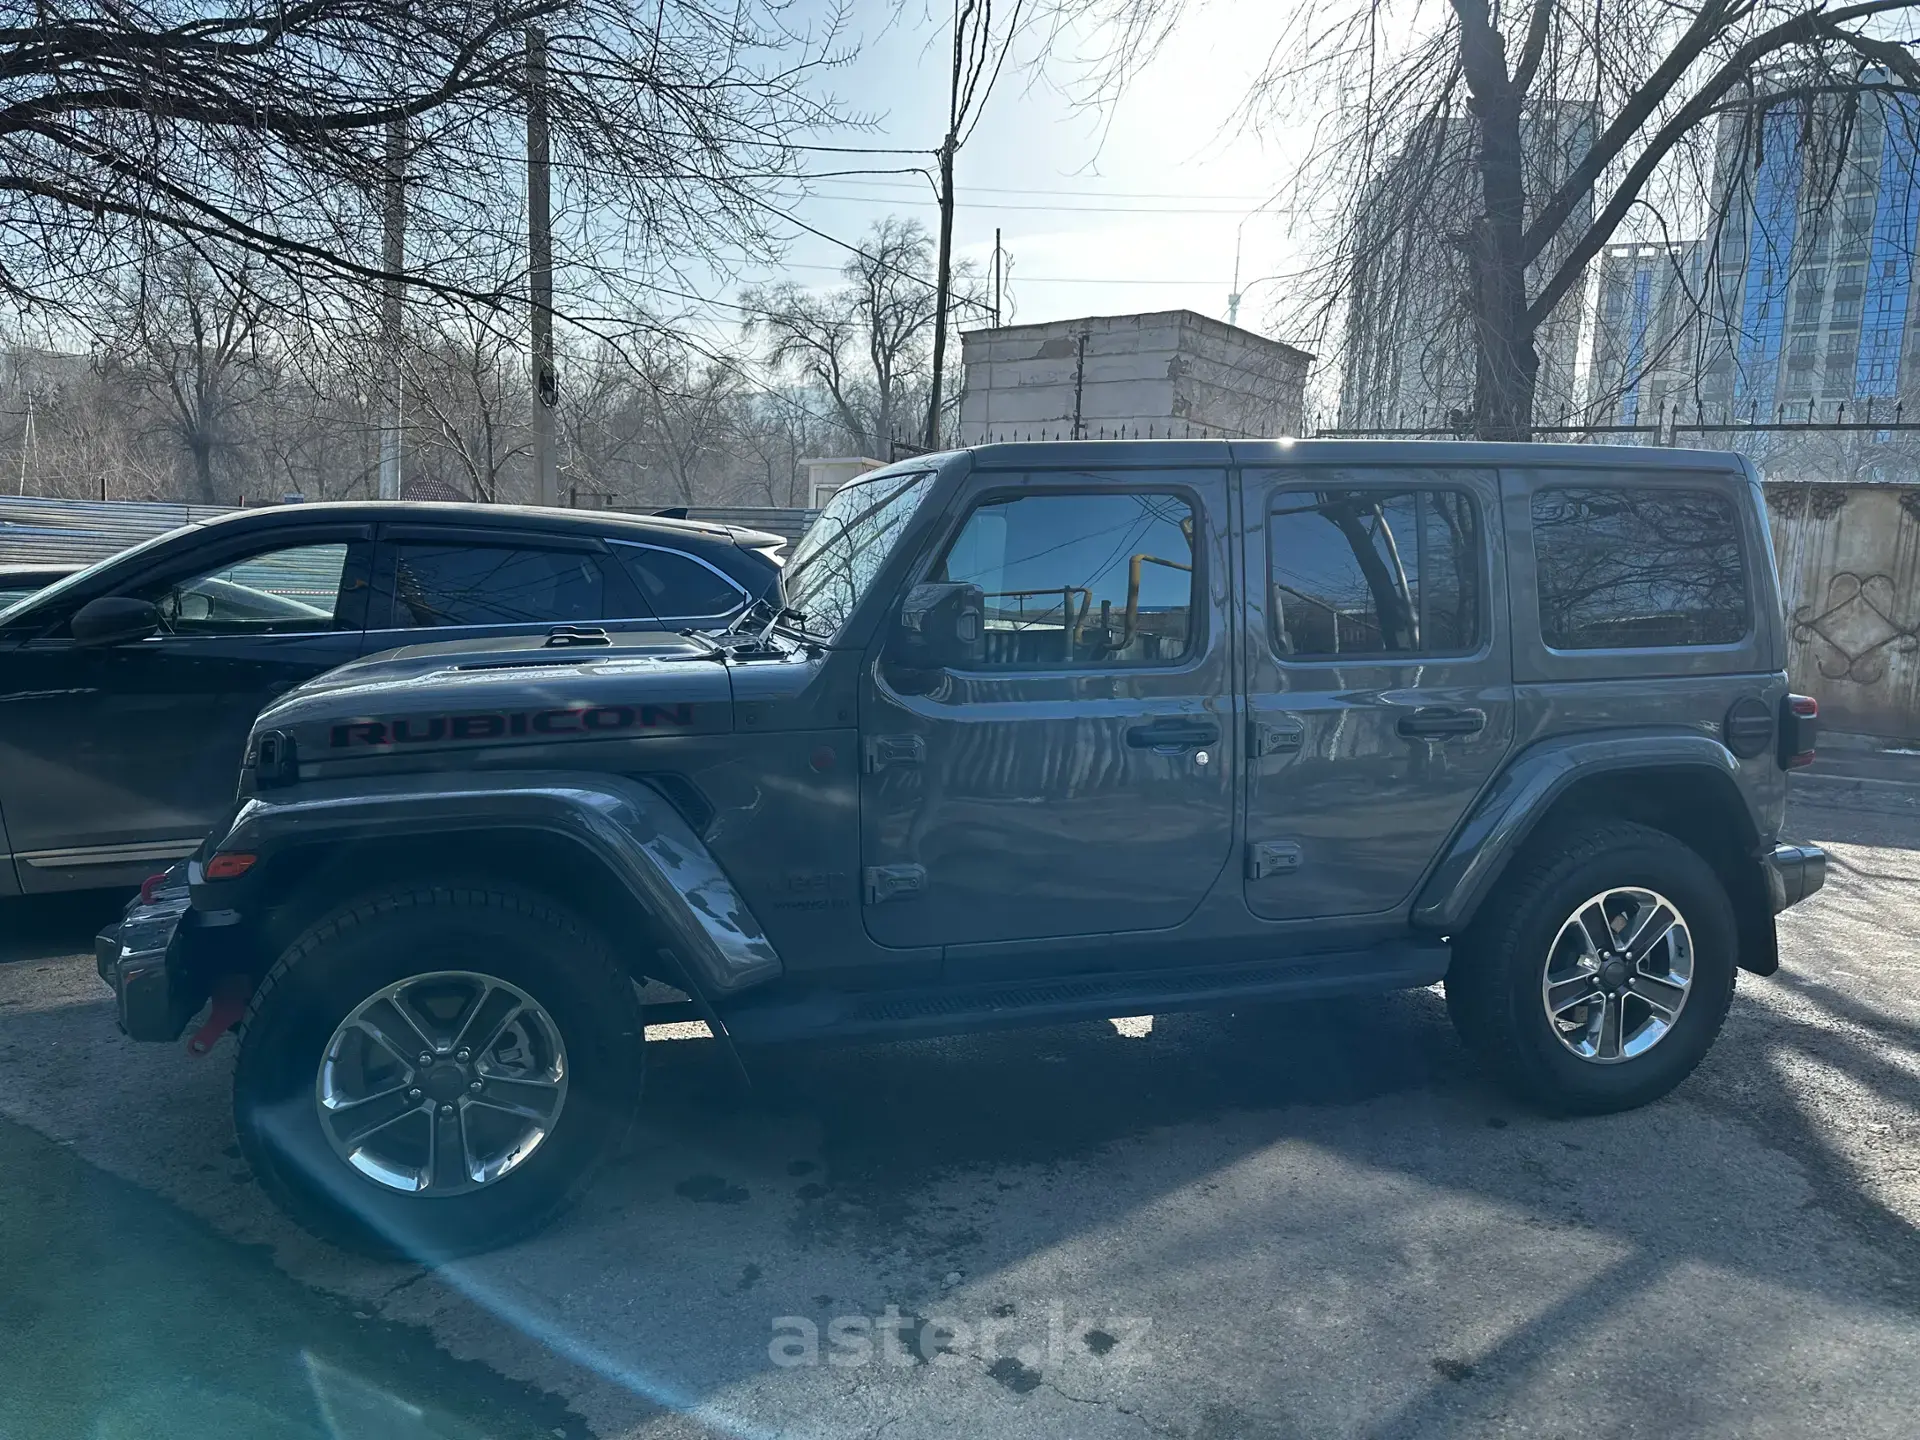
1893 797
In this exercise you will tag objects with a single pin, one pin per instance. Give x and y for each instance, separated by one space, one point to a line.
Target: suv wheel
432 1072
1596 977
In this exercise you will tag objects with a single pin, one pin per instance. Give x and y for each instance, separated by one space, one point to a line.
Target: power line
1096 280
1049 279
848 246
1051 209
1071 194
748 197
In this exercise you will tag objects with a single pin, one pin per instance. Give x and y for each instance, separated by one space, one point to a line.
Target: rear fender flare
1526 790
632 830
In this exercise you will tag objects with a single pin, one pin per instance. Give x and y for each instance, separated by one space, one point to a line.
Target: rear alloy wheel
429 1073
1617 975
1598 973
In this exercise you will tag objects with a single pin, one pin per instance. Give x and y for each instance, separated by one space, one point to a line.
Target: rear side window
1631 567
678 586
1076 580
1373 572
440 585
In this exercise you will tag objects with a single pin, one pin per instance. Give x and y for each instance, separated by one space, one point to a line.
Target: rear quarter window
677 585
1638 567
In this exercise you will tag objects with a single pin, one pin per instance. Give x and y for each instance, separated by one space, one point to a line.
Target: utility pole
943 290
943 278
546 382
1238 292
996 277
27 440
1079 384
393 259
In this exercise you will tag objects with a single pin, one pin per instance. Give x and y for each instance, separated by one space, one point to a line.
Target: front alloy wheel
1617 975
442 1083
435 1070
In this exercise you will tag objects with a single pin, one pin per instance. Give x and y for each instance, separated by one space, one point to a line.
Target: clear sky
1133 209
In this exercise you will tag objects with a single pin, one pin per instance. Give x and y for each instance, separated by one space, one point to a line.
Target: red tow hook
230 996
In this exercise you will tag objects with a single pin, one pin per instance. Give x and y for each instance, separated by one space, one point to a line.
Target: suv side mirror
940 627
113 619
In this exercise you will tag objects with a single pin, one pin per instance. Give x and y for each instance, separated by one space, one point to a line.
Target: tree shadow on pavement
1081 1132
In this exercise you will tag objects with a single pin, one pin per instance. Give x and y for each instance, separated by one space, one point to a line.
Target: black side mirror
940 627
114 619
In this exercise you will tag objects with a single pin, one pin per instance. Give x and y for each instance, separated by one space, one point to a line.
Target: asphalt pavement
1311 1221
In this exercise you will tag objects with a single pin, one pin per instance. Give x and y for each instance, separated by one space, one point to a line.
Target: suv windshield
841 552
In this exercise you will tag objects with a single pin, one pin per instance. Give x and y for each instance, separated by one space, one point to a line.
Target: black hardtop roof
1094 454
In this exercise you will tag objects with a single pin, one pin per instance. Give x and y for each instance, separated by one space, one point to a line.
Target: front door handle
1173 735
1442 722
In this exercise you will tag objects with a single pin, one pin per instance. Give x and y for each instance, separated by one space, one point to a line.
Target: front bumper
154 995
1793 873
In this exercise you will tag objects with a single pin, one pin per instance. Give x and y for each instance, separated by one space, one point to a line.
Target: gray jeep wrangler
1042 733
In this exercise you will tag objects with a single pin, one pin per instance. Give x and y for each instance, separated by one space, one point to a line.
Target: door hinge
884 750
1266 858
1282 735
895 882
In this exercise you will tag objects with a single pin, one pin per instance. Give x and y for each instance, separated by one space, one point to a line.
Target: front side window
1363 572
845 547
441 585
1634 566
1080 580
677 586
280 592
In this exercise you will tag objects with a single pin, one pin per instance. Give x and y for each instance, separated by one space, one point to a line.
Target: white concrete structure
827 475
1116 376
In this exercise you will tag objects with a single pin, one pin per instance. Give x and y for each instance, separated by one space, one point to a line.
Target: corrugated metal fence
36 531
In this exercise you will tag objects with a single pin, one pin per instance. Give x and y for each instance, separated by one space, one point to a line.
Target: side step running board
888 1014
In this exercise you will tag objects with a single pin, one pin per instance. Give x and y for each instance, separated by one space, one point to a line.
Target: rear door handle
1442 722
1171 735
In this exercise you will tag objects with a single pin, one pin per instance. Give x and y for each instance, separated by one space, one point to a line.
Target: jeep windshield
843 550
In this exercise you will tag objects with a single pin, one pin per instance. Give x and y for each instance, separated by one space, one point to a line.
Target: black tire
1494 984
382 940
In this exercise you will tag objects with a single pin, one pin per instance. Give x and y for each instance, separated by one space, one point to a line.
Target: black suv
126 690
1039 732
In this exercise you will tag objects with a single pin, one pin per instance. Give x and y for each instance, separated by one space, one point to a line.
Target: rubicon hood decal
497 725
383 708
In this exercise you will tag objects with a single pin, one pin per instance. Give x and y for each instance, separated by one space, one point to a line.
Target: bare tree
470 422
868 343
189 340
318 433
254 134
602 428
1395 89
688 405
777 430
71 426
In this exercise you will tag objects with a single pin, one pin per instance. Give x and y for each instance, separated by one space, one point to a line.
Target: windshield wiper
712 646
747 644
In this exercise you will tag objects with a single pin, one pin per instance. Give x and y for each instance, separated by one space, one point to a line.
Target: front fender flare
626 825
1527 788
